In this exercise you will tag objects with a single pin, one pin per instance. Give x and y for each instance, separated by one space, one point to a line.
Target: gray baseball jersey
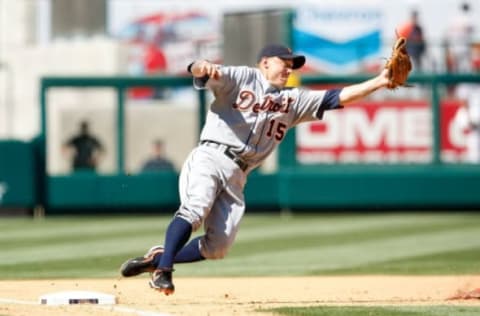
246 121
253 117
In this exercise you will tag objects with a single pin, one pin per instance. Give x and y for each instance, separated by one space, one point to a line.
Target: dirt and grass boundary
237 296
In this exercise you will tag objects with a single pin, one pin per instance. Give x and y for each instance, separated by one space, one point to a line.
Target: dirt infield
235 296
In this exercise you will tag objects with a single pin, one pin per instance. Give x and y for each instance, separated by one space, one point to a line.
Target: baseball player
250 115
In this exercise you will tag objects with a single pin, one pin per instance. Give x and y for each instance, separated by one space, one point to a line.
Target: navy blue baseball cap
283 52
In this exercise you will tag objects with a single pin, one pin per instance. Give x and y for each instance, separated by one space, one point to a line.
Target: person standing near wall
459 39
413 32
158 161
469 119
87 149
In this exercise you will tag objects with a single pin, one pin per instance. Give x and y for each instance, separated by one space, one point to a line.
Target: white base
77 297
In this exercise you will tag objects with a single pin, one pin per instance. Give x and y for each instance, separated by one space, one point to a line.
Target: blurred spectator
413 32
469 118
87 149
459 40
158 161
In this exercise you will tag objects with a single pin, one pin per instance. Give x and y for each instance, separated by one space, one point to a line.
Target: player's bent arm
358 91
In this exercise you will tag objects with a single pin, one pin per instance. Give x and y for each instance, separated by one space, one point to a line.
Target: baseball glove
399 64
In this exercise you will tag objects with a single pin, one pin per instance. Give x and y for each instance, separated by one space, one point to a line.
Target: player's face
278 70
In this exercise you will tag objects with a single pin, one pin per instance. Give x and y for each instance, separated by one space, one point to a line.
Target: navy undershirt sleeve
331 101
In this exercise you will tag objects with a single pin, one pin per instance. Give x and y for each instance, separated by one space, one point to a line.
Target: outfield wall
25 182
18 187
319 187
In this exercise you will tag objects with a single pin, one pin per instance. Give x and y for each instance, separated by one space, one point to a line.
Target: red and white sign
388 131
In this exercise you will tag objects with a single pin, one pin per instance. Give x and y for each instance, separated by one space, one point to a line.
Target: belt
227 151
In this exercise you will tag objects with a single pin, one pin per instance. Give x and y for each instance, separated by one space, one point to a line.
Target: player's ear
263 63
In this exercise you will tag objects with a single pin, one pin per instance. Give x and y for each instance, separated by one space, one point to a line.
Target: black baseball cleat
162 281
138 265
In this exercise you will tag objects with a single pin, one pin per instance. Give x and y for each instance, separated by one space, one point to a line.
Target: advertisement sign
381 132
163 36
340 38
161 42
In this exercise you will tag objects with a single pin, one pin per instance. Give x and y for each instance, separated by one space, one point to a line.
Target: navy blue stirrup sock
178 233
189 253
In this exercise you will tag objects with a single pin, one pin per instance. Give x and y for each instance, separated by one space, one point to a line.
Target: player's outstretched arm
358 91
201 68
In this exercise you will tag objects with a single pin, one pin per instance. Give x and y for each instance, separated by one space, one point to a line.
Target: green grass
379 311
328 244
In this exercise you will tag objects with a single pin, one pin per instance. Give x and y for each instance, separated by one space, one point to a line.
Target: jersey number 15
276 129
